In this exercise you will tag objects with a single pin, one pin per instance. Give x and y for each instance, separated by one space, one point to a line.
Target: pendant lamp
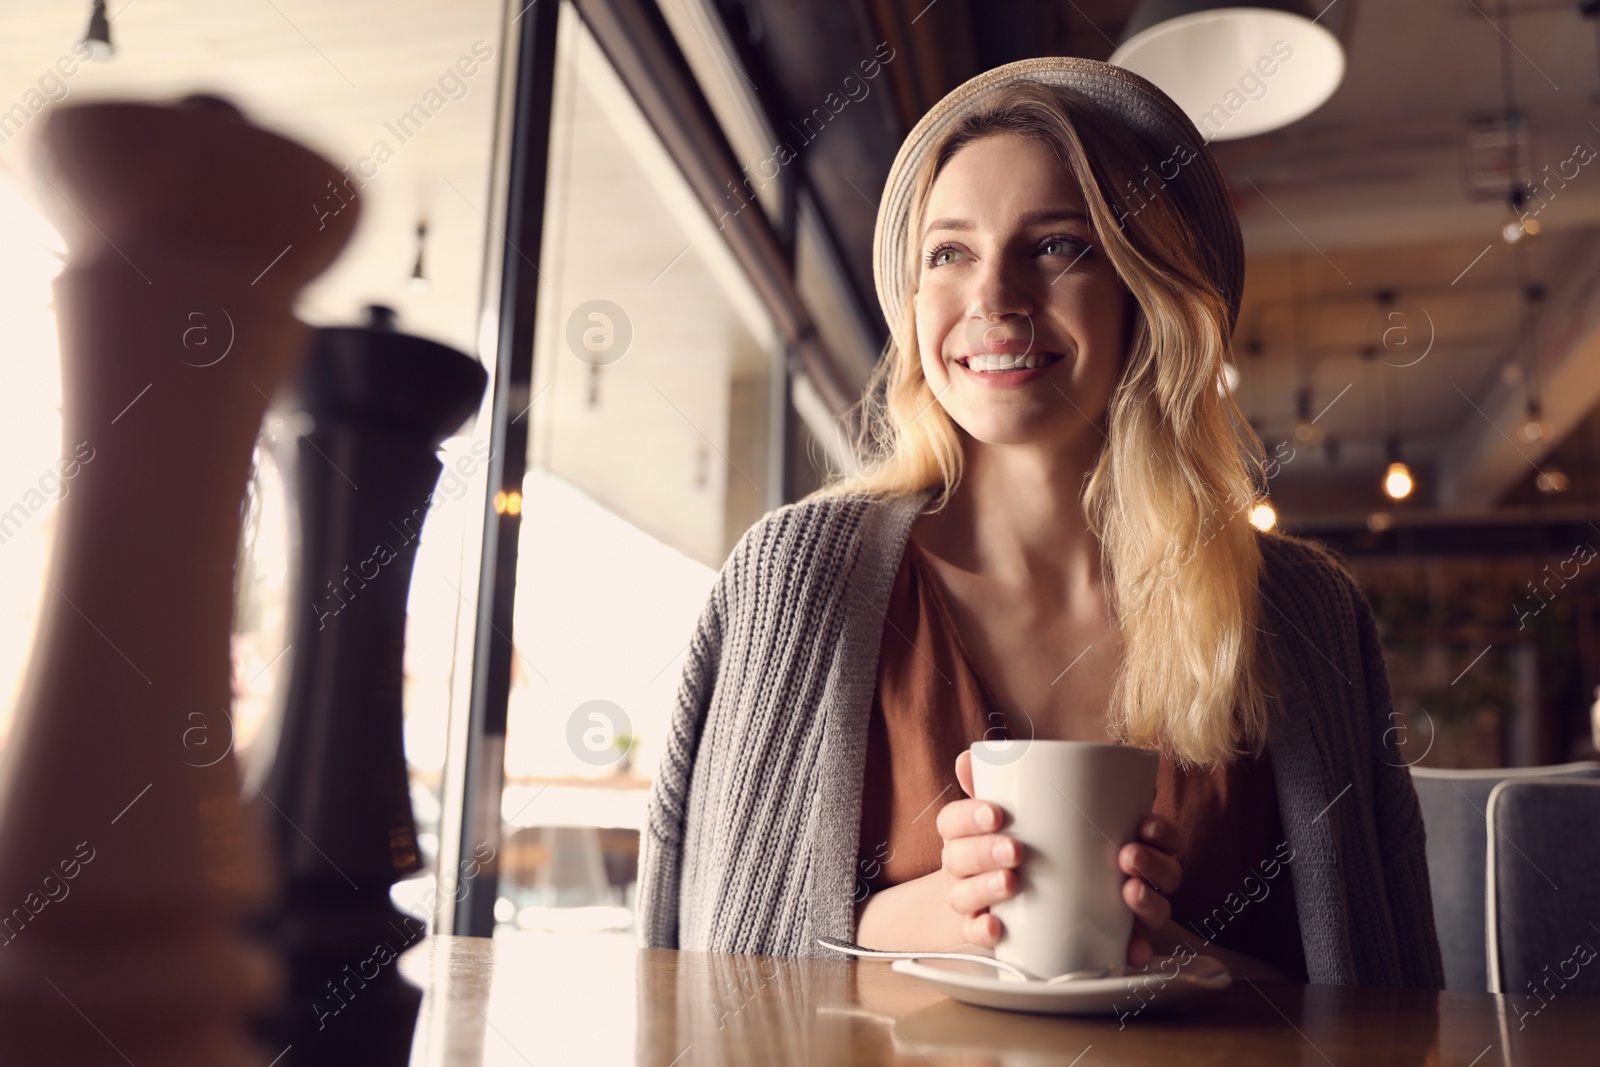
1236 68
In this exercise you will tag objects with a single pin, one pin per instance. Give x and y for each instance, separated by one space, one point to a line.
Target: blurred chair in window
522 858
575 877
1454 804
1543 887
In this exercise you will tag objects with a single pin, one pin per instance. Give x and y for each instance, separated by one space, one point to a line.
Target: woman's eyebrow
1032 218
946 224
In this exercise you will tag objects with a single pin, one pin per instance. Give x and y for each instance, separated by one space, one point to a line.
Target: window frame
641 47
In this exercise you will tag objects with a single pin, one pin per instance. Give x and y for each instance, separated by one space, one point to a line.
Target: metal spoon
852 949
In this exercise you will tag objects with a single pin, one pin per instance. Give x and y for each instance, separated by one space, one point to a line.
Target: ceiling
1362 211
1365 201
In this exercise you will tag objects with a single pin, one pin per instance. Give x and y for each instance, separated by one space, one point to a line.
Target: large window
661 420
655 442
410 112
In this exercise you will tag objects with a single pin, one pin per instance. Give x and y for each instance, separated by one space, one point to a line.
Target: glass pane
31 466
408 110
651 452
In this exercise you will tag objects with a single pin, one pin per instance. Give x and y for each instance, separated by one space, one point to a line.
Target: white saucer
1165 982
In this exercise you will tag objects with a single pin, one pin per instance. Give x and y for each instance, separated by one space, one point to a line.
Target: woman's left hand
1154 874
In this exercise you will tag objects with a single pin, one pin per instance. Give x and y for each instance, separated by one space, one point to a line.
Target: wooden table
582 999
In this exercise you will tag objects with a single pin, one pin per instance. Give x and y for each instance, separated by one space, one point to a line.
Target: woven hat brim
1150 114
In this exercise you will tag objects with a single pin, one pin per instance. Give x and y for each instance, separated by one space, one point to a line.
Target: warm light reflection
1230 379
1307 432
1552 480
1515 231
1263 517
1397 481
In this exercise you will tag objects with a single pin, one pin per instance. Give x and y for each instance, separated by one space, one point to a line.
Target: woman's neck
1017 518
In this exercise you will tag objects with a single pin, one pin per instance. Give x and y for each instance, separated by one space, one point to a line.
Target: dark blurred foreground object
127 863
378 403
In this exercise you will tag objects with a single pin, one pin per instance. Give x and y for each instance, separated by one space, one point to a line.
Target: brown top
930 705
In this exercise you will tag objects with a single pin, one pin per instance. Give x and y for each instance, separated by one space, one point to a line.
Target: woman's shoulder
1308 585
1297 565
829 529
818 508
797 526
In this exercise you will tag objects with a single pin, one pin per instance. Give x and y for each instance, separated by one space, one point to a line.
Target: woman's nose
998 291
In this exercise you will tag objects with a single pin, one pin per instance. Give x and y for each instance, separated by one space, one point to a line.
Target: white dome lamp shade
1237 69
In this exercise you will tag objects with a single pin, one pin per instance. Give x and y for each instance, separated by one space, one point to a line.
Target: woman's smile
1000 370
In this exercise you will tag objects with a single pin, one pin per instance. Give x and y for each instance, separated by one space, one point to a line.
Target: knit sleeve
666 811
1399 820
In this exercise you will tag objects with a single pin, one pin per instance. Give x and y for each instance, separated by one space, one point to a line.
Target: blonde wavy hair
1170 493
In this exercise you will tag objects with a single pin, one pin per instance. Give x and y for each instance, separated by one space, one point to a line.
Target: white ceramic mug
1072 805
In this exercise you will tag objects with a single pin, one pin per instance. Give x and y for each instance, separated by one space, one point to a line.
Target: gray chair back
1454 806
1543 887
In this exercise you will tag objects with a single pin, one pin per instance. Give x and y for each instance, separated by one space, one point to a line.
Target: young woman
1051 542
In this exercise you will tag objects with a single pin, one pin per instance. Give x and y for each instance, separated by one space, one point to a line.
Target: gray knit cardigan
750 842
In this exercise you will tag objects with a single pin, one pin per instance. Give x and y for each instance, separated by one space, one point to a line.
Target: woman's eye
938 257
1062 246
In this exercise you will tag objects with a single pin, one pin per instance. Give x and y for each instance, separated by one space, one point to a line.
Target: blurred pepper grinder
127 864
375 406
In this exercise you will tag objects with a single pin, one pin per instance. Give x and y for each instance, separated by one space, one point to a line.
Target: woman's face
1011 274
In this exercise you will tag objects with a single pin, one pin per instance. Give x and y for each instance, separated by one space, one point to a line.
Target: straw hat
1197 187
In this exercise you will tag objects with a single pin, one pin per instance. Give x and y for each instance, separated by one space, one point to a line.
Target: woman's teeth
988 364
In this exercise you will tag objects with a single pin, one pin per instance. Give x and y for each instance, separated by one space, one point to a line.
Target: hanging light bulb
1517 126
1306 432
1519 226
1534 428
1397 480
98 35
1263 517
419 280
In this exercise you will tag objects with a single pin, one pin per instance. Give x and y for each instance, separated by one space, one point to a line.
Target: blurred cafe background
651 220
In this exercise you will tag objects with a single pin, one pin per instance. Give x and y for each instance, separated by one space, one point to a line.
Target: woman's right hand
979 863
